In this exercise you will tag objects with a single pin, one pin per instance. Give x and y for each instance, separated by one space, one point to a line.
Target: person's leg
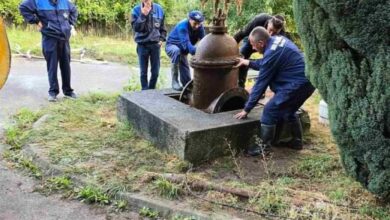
49 49
246 51
143 58
293 123
174 53
155 52
185 74
267 129
64 59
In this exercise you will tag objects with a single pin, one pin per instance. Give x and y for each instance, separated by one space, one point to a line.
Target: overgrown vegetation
84 138
350 67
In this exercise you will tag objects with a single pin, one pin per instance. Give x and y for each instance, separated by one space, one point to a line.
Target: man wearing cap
149 33
181 41
274 26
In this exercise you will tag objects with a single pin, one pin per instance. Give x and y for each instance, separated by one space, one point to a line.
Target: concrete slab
190 133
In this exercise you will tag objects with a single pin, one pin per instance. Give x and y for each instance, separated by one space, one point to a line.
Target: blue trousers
57 51
246 51
284 105
146 52
179 58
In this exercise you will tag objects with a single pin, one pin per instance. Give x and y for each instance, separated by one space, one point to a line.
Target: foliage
348 60
91 194
114 15
149 213
167 189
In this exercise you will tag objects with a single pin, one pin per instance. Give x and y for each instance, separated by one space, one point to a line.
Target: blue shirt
185 37
149 28
55 18
282 68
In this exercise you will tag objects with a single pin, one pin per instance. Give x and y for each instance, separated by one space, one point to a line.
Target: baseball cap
196 16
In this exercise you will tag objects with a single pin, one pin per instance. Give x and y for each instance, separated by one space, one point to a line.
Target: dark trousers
177 57
246 51
284 105
57 51
146 52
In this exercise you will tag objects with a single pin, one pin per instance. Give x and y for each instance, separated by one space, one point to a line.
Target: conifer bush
347 51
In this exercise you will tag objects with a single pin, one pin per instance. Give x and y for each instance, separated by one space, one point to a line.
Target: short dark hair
259 34
277 23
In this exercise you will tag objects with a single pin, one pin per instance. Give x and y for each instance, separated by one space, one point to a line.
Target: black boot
175 77
295 128
267 134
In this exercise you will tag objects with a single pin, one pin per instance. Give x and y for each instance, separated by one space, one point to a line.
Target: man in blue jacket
274 26
55 19
181 42
149 34
283 70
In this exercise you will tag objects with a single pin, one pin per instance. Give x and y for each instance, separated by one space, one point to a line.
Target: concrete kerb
136 201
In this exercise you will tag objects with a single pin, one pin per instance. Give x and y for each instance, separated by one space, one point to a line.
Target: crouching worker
181 41
283 70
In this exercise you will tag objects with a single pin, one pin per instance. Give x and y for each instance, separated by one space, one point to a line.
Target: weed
167 189
225 198
59 183
375 212
91 194
270 200
148 212
22 162
15 137
316 166
180 217
120 205
134 84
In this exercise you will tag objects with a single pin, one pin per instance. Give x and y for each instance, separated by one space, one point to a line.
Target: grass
167 189
92 194
85 138
148 213
96 47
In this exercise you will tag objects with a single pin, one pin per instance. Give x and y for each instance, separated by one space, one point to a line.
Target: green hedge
348 56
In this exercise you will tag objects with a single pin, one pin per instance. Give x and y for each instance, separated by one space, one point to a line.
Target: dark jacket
150 28
185 37
260 20
56 18
282 69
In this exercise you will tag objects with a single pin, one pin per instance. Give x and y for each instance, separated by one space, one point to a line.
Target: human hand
73 31
241 62
146 7
40 26
160 43
243 114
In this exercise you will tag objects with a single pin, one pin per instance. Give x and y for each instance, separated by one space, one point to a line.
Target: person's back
288 61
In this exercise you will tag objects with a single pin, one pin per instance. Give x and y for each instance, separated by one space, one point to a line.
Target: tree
348 57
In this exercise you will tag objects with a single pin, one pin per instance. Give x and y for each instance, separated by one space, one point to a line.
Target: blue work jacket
185 37
149 28
56 18
282 68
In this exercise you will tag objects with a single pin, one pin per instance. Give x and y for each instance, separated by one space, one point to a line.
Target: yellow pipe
5 54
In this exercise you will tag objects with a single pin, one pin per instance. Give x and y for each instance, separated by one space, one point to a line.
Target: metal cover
5 55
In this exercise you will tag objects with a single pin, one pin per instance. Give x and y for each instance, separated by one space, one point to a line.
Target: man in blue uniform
180 43
283 69
149 34
274 26
55 19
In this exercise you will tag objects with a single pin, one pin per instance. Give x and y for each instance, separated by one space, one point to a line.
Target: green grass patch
148 213
92 194
167 189
96 47
316 166
21 162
